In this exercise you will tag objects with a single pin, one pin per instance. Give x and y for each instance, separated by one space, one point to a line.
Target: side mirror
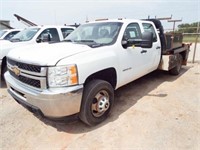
147 40
38 40
124 43
44 38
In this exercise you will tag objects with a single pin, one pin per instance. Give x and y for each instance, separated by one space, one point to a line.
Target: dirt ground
155 112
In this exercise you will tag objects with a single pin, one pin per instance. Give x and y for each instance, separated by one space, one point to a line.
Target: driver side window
51 33
132 32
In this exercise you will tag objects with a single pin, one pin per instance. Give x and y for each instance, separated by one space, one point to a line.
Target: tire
176 70
97 101
3 71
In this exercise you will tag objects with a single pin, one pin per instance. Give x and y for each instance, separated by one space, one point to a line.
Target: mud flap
168 62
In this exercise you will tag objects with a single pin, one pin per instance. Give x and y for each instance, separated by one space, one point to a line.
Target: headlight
62 76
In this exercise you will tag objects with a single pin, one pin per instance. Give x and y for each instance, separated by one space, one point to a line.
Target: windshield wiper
90 43
98 45
85 41
15 40
68 40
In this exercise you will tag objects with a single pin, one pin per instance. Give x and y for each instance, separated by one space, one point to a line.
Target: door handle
143 51
158 47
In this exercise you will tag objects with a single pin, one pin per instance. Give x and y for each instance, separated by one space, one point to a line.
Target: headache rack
169 41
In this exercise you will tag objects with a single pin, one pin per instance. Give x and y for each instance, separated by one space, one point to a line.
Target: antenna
86 20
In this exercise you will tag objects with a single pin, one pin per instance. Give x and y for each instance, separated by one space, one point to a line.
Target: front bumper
53 102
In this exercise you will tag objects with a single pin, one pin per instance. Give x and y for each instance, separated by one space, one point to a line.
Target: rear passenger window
66 31
149 28
132 31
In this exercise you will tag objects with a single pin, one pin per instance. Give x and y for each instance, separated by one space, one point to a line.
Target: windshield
95 34
2 32
25 35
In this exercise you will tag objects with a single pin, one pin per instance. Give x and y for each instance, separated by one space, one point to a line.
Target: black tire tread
87 93
3 71
176 70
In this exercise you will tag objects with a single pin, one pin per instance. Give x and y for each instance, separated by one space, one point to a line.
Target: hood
3 42
6 46
46 54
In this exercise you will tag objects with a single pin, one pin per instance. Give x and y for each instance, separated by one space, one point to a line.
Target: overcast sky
62 12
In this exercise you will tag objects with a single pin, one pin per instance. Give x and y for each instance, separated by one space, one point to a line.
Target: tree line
188 28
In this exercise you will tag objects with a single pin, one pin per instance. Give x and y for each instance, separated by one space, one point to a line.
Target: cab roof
122 20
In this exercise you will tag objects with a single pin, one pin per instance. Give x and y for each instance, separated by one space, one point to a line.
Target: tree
188 28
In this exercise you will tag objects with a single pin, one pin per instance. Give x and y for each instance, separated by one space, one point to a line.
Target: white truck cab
32 35
80 74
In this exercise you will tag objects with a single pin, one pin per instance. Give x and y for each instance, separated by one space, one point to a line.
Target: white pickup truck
32 35
79 76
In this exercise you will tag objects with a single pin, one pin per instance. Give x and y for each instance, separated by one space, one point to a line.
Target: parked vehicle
32 35
79 76
7 34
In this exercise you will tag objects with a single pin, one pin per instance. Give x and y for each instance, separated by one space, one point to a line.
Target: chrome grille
31 75
28 67
26 80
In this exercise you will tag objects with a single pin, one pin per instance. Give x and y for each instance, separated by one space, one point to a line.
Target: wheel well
108 75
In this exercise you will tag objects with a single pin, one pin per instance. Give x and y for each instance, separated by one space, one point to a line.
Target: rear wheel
98 98
176 70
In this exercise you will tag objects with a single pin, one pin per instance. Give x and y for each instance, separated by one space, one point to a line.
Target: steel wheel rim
100 103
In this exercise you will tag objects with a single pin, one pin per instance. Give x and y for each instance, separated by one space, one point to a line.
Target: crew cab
80 75
32 35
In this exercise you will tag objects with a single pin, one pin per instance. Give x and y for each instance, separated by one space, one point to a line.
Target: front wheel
97 101
3 70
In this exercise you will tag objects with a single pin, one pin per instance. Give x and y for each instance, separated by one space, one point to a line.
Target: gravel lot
155 112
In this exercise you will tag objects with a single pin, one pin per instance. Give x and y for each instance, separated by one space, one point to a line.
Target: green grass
190 38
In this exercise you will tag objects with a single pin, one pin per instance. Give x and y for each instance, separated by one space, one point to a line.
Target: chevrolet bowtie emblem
16 70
